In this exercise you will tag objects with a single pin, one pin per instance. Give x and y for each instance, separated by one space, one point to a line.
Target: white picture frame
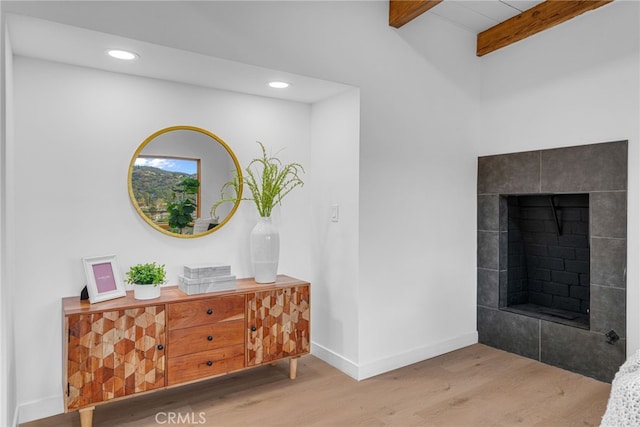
104 281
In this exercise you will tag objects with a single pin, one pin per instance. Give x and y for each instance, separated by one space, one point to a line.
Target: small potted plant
146 280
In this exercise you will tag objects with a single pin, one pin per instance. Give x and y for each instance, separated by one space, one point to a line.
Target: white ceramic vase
146 291
265 250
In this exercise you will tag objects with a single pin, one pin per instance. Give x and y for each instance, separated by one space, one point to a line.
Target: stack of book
202 278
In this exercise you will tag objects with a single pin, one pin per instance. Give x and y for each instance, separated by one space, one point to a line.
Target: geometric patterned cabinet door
114 353
277 324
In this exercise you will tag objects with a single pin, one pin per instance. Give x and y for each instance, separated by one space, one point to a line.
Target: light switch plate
335 213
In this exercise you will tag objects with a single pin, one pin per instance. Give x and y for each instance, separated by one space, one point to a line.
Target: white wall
75 132
574 84
8 399
417 196
335 136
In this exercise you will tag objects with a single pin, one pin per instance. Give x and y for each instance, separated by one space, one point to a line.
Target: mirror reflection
176 175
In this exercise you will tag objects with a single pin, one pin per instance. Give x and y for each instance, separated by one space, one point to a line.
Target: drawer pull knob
209 363
160 347
210 338
253 329
209 311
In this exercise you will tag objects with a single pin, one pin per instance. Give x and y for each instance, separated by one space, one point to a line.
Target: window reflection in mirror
176 175
165 189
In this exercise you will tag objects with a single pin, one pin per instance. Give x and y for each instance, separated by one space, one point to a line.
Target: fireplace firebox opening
548 257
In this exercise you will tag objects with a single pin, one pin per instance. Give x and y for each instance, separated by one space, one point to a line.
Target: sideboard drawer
205 364
205 337
205 311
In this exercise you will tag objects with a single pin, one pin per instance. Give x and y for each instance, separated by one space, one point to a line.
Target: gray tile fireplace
552 256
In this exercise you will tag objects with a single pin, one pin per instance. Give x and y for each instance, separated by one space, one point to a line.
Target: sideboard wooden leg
86 416
293 367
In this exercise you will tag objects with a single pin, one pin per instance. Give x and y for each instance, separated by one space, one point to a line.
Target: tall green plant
268 179
182 204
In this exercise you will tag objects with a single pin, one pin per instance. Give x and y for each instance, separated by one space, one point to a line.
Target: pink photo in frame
104 281
103 274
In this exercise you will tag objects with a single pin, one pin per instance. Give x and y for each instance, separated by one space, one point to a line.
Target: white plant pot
265 250
146 291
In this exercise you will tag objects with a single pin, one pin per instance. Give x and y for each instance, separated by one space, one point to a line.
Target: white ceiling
477 16
37 38
43 38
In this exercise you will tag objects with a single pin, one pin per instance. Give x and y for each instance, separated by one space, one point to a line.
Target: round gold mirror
176 176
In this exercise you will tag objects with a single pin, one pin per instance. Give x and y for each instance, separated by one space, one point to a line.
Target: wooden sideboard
123 347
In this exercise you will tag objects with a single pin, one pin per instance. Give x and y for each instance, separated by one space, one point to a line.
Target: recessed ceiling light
279 85
122 54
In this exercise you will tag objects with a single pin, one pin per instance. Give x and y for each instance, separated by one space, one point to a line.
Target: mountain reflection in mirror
163 192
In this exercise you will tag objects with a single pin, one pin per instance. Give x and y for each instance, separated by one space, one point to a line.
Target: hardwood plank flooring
473 386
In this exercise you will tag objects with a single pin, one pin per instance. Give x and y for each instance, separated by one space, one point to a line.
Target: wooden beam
538 18
403 11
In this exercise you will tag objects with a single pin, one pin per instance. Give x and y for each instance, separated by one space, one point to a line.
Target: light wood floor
474 386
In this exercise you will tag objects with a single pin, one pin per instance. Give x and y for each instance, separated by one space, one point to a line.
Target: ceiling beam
403 11
538 18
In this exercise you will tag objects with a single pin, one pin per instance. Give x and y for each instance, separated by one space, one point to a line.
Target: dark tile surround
599 170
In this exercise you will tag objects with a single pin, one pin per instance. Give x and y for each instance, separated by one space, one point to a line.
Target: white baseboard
334 359
368 370
42 408
380 366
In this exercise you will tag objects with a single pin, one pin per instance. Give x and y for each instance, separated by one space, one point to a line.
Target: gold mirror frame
215 139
